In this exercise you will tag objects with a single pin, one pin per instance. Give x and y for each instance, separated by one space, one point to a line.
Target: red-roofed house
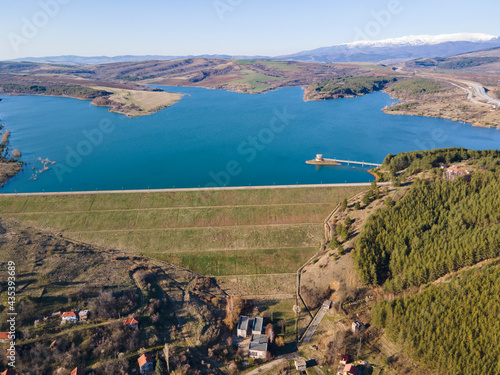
350 369
77 371
131 323
344 359
4 336
146 365
69 316
9 372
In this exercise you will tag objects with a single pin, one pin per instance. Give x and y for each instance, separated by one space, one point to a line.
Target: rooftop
68 314
258 323
130 321
351 369
145 358
258 343
243 322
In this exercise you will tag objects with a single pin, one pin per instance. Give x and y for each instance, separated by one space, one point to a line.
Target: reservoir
215 138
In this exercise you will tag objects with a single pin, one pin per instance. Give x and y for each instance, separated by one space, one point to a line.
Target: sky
36 28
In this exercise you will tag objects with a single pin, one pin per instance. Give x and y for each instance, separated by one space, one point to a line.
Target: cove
215 138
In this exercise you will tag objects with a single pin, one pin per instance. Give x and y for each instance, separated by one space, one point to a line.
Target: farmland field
219 233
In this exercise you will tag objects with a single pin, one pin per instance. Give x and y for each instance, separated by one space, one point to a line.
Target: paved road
471 89
192 189
481 92
470 95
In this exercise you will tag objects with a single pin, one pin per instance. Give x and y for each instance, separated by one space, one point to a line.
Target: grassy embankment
220 233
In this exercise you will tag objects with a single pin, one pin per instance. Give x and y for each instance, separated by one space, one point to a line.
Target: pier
320 160
362 163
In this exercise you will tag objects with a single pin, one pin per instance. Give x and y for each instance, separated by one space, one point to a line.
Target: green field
256 80
284 65
220 233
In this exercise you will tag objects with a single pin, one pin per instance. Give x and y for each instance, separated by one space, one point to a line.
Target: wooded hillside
437 227
453 327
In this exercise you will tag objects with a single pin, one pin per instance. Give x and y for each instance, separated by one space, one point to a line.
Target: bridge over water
362 163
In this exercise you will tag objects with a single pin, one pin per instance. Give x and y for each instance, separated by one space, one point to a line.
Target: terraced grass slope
220 233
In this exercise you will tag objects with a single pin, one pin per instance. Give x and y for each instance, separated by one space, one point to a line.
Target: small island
319 160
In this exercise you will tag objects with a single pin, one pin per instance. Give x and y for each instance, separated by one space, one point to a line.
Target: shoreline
133 191
112 105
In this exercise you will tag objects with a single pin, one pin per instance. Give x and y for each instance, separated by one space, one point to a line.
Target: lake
215 138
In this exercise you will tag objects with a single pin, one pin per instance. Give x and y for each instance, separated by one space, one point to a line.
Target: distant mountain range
95 60
399 49
381 51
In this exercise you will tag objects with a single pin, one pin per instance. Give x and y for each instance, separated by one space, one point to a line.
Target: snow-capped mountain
404 48
419 40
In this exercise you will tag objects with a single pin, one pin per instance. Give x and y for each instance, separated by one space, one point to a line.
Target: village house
242 329
454 172
130 323
258 346
4 336
300 364
83 315
258 324
69 316
350 369
77 371
344 359
146 365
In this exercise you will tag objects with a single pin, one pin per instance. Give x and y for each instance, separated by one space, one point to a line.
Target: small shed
300 364
356 327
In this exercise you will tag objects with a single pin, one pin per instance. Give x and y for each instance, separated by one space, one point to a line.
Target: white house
242 329
258 346
69 316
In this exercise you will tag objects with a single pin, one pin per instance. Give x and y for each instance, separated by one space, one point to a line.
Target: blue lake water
215 138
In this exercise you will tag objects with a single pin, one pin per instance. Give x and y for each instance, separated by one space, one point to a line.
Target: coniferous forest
451 327
439 226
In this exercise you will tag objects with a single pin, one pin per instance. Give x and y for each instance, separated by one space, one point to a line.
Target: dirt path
268 366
